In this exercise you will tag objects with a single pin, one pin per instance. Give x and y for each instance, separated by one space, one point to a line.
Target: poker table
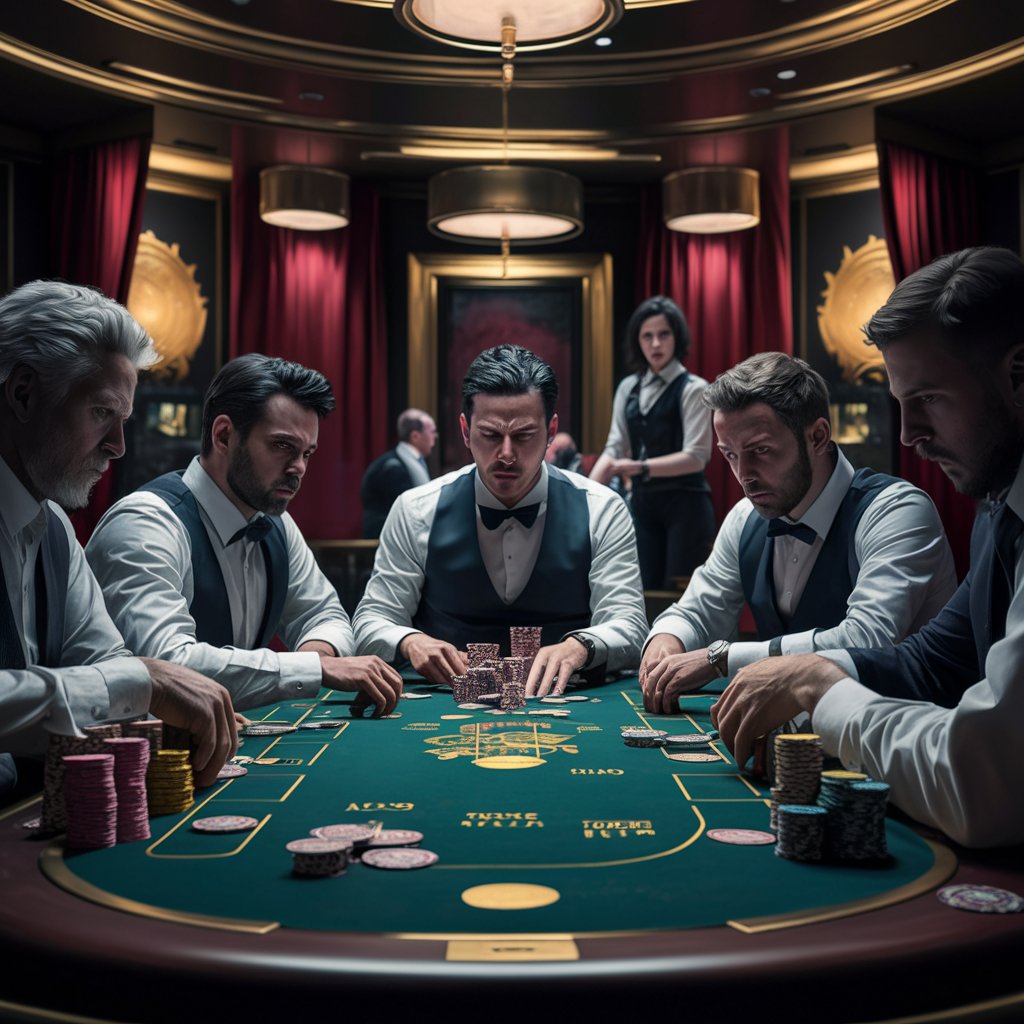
575 874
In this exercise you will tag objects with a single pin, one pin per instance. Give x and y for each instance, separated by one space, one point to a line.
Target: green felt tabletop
617 834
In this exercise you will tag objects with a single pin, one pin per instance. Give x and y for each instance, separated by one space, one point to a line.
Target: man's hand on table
371 678
767 694
187 700
558 661
435 660
667 670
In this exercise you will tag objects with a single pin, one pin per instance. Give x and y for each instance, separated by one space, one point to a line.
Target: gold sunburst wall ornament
853 294
166 299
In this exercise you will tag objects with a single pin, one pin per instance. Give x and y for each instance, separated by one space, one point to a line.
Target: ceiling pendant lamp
711 200
303 197
505 203
477 24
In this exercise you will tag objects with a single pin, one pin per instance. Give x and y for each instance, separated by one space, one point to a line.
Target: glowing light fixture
477 24
304 198
711 200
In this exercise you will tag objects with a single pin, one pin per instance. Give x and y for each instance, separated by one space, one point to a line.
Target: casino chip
416 696
473 706
357 835
319 858
574 697
396 837
268 730
644 737
981 899
690 739
232 771
740 836
400 858
225 823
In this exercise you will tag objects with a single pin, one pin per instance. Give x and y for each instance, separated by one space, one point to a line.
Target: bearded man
204 567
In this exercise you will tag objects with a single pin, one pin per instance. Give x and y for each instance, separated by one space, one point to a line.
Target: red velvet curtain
734 288
317 298
930 207
98 194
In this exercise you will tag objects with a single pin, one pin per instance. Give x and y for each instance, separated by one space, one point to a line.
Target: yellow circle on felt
449 718
510 896
509 762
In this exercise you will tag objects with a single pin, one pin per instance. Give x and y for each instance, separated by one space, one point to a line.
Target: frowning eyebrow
293 439
112 400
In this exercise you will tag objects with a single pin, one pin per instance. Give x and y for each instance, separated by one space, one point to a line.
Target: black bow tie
493 517
801 531
254 531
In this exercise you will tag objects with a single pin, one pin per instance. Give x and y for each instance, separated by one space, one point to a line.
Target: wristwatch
718 656
588 643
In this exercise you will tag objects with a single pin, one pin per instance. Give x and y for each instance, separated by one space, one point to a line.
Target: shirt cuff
301 675
840 703
115 689
746 653
338 635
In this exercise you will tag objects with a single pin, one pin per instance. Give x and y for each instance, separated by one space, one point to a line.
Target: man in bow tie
823 556
952 336
205 567
506 541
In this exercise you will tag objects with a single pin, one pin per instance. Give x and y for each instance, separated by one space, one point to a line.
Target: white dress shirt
906 575
142 557
696 416
509 553
414 462
98 680
953 768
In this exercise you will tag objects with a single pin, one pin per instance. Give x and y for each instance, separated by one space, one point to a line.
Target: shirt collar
821 513
17 507
673 368
404 448
220 509
538 493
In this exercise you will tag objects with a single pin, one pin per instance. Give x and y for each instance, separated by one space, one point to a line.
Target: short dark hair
409 421
797 394
656 305
244 385
973 300
509 370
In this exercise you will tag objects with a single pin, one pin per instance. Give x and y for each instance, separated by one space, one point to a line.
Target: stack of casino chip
151 729
90 797
319 858
481 680
131 759
460 689
53 817
524 642
798 761
855 829
513 684
169 782
801 831
479 653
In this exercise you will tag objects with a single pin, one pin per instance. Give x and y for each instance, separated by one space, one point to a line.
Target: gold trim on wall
426 270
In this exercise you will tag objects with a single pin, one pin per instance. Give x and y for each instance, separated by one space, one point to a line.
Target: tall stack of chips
798 761
169 782
90 797
855 829
524 642
513 684
460 689
131 759
481 680
801 831
319 858
479 653
151 729
53 816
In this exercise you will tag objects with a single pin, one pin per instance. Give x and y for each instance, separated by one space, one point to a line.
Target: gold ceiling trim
172 21
861 160
189 84
168 160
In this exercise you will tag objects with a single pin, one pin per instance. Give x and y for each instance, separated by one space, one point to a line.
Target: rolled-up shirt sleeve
617 446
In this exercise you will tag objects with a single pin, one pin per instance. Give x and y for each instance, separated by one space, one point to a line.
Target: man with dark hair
563 453
397 470
952 336
205 567
507 541
824 556
69 358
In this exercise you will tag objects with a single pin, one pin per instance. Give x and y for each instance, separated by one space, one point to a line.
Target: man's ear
21 389
552 428
221 432
464 424
819 434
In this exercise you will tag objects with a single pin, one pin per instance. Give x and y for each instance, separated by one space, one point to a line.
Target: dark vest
51 592
823 603
209 607
659 431
458 602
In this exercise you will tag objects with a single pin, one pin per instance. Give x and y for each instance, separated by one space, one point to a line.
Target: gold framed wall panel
594 273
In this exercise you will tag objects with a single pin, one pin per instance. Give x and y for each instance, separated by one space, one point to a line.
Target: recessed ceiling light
786 75
602 41
760 91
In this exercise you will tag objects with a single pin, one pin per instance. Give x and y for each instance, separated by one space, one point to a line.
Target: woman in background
660 438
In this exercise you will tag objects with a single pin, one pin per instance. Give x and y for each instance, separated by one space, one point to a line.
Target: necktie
12 654
778 527
253 531
494 517
1006 528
